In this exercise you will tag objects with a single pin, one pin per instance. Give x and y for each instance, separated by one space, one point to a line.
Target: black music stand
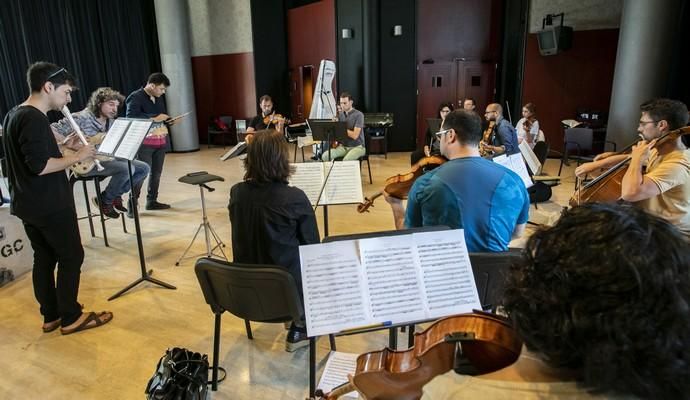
124 145
327 130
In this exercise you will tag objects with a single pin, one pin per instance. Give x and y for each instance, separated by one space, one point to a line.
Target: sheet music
309 178
446 273
530 158
515 163
238 149
393 287
132 141
113 137
374 282
344 184
331 282
338 366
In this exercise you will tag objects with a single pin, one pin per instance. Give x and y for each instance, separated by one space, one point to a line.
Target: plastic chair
213 129
261 293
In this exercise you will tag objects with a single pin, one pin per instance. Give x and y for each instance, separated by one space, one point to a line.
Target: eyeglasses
643 123
441 133
56 73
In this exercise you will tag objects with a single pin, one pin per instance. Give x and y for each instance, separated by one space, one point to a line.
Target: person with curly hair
97 118
602 304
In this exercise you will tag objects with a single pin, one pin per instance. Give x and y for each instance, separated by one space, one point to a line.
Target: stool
201 179
89 214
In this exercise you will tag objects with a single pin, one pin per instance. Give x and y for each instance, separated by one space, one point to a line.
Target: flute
66 113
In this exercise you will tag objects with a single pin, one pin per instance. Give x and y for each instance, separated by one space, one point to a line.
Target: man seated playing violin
353 148
664 187
268 119
600 302
485 199
96 118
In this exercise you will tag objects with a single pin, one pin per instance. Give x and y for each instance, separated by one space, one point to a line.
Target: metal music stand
201 179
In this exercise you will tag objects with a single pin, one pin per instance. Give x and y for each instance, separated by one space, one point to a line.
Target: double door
452 81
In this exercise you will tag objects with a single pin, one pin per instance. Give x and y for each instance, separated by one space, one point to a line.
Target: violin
275 119
607 187
487 341
399 185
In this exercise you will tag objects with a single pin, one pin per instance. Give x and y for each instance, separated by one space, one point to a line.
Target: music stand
327 130
122 142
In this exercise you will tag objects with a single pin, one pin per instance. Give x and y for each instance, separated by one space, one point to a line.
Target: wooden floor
116 361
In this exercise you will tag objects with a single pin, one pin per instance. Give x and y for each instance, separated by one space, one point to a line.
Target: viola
487 139
399 185
607 187
488 342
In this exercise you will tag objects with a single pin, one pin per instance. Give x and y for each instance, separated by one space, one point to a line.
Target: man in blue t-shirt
485 199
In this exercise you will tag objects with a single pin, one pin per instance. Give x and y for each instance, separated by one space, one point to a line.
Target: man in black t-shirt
268 119
42 198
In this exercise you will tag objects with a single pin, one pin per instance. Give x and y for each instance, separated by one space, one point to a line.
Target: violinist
268 119
487 200
431 145
611 322
663 188
504 137
353 148
528 126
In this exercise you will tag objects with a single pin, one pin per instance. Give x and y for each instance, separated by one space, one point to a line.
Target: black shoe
117 205
154 205
106 209
296 338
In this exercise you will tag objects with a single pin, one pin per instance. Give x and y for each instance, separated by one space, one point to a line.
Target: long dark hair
267 158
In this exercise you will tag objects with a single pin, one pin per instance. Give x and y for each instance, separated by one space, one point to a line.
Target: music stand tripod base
200 179
145 275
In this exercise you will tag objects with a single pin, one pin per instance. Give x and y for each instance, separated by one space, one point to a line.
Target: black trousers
56 242
154 157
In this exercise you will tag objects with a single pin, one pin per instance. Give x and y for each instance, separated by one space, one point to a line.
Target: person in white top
600 301
528 126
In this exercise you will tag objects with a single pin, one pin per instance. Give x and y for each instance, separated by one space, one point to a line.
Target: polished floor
116 361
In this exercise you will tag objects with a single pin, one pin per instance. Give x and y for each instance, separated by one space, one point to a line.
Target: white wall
220 27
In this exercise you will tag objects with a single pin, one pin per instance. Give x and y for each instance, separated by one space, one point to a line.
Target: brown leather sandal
93 320
52 325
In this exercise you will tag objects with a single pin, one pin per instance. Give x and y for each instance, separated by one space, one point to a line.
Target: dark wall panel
270 51
223 85
350 59
397 77
579 77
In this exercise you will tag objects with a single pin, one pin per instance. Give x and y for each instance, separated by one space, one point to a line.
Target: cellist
487 200
663 187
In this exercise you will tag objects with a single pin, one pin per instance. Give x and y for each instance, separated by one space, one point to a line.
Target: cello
488 342
399 185
607 187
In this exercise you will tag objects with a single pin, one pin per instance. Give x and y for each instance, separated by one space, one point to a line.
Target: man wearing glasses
504 138
42 199
663 188
485 199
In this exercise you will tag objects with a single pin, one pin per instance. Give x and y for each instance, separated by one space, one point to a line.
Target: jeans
55 240
119 178
154 157
348 153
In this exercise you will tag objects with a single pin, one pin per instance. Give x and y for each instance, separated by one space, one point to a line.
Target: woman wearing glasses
431 144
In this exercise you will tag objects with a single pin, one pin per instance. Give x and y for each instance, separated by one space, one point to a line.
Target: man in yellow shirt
658 177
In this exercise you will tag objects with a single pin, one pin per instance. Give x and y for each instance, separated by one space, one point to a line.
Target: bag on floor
181 374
